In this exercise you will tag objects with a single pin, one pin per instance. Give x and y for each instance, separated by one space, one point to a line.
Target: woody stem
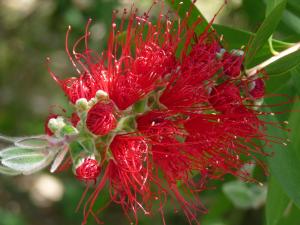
292 49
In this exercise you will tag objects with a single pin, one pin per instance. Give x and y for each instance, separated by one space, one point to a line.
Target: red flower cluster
161 116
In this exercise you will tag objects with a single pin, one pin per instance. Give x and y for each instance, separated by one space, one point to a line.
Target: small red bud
225 97
88 170
100 119
258 90
47 130
232 64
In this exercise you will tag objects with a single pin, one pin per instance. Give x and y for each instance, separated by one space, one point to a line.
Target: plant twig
292 49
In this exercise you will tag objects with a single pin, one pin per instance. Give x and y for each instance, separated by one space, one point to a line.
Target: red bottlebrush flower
88 170
232 64
164 135
258 88
141 72
225 97
90 80
216 141
47 130
82 87
100 119
189 85
129 152
129 177
195 119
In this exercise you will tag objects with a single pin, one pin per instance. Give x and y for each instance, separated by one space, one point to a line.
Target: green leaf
26 164
15 151
26 160
34 142
277 202
272 4
284 165
238 37
296 78
294 6
291 215
184 7
264 32
294 125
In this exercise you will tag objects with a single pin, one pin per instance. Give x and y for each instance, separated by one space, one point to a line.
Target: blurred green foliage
31 30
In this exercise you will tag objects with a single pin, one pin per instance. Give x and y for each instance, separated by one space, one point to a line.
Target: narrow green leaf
291 215
34 142
184 7
237 38
294 7
16 151
294 125
284 165
264 32
271 5
25 163
277 202
296 78
26 160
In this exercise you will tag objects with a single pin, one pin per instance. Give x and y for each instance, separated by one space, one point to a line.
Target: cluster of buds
160 105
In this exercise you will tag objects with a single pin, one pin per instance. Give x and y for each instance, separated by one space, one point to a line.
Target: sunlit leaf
25 163
34 142
185 6
16 151
26 160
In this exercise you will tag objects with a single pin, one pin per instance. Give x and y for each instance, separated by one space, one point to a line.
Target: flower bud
232 63
88 169
257 88
100 119
47 129
224 97
56 124
82 104
100 94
